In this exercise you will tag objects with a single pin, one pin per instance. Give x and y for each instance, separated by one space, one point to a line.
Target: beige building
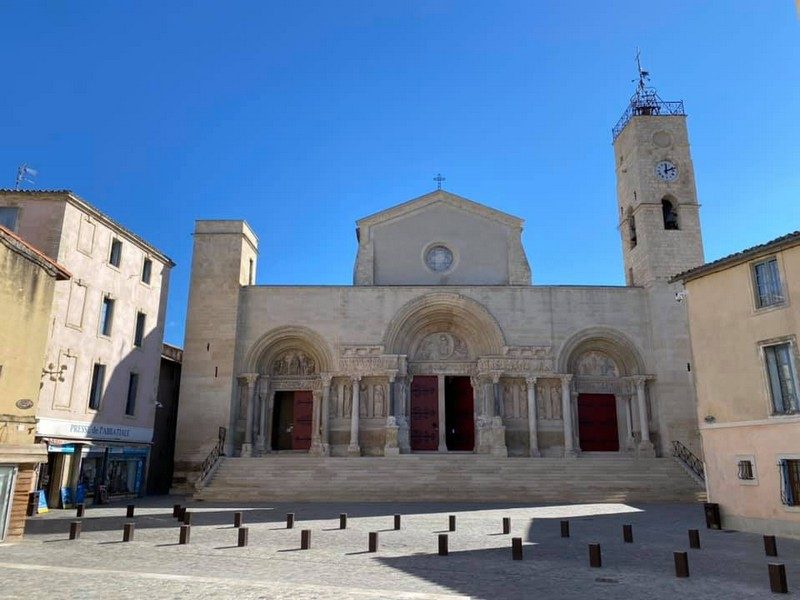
444 344
28 281
745 322
96 415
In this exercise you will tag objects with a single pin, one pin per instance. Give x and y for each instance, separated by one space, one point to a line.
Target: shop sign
93 431
65 449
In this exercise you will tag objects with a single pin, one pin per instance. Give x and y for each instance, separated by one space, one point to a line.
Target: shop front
92 467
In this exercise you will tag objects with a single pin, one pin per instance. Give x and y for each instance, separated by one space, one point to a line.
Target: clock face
666 171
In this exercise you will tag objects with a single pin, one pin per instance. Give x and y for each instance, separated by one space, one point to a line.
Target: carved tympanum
294 363
597 364
442 346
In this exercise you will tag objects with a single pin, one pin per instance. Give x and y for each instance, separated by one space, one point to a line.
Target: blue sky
301 117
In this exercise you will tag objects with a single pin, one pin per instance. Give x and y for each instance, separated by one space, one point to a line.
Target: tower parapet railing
645 101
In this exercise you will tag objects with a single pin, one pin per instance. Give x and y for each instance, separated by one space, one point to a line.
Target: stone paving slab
100 565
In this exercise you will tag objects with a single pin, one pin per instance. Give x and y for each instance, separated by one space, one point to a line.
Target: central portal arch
443 335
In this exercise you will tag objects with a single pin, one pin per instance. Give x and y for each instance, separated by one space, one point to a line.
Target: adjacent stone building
444 344
107 325
745 322
28 282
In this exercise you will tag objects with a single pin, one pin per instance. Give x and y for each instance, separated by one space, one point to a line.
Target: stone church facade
443 343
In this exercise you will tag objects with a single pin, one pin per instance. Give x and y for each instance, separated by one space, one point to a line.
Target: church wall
480 247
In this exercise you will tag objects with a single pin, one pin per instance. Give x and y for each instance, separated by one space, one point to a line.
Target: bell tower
659 225
658 212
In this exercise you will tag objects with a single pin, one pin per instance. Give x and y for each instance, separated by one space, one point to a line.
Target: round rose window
439 258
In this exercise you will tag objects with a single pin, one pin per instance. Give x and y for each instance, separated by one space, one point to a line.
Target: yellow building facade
27 284
744 317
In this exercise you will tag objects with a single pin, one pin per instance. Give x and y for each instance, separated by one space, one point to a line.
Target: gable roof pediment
438 197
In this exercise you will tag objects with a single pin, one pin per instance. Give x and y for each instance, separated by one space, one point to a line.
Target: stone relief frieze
362 350
442 346
596 364
517 366
548 399
365 365
279 384
293 363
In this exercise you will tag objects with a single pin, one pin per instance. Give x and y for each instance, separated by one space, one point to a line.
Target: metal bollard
187 517
181 512
627 534
176 510
452 522
516 548
33 503
186 531
397 522
305 539
127 532
289 520
681 564
694 538
80 509
506 525
777 578
242 540
373 541
74 530
770 547
129 511
343 521
595 560
564 529
237 519
442 544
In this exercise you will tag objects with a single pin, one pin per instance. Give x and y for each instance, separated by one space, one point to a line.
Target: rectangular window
106 315
790 481
133 388
147 270
8 217
115 257
746 470
138 335
767 283
96 390
782 378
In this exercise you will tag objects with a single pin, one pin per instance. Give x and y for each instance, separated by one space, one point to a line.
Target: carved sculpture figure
379 401
442 346
597 364
294 363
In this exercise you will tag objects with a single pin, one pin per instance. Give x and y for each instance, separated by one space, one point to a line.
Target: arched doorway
443 335
604 365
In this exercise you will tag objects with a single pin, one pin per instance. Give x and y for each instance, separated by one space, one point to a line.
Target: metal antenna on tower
644 76
25 175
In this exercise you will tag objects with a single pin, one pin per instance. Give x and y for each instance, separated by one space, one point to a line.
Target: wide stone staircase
451 477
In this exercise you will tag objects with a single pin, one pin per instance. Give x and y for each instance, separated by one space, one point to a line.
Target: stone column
316 441
533 417
270 414
645 446
262 393
498 430
391 446
403 416
442 420
354 449
325 412
566 413
629 442
249 380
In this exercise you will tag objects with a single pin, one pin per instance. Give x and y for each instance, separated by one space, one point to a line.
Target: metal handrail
688 458
211 460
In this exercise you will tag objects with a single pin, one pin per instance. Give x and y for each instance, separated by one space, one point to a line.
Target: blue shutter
786 486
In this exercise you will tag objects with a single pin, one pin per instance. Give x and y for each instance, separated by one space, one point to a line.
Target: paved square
100 565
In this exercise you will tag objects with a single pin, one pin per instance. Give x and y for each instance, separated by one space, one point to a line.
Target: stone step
437 477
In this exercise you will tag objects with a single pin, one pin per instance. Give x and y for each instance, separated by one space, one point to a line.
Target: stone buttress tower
659 226
223 260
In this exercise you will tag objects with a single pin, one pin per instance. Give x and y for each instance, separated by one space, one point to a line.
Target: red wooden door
302 413
424 426
597 423
460 417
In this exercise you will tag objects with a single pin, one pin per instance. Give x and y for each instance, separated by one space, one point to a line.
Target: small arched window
670 214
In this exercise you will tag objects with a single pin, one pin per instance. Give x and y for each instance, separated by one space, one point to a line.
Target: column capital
355 378
326 378
531 381
640 381
248 378
495 375
391 374
566 377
